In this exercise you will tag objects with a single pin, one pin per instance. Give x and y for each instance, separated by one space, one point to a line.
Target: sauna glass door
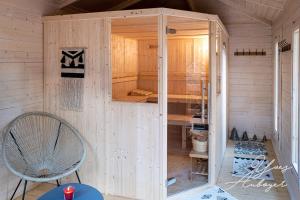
188 77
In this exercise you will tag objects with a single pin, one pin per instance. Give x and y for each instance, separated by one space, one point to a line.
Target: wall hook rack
250 53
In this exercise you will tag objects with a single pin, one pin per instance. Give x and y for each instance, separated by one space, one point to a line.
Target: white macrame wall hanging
72 78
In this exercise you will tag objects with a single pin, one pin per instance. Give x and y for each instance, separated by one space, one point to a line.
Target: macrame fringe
71 94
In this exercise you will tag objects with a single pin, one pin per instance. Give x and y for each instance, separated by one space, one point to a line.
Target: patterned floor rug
214 193
251 168
250 148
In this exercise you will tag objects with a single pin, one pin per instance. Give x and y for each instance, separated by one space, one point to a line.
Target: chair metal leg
12 197
78 177
57 183
24 191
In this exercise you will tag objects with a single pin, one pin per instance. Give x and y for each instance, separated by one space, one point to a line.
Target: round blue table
82 192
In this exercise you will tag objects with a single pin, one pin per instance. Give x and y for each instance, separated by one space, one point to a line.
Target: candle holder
69 193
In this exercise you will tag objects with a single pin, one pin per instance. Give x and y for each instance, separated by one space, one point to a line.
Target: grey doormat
251 168
250 148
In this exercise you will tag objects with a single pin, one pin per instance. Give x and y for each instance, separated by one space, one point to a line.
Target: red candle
69 193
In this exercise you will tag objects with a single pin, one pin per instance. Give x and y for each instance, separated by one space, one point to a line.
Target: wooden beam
64 3
74 9
192 5
271 4
124 4
246 12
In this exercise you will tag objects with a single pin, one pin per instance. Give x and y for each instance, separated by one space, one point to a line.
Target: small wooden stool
198 157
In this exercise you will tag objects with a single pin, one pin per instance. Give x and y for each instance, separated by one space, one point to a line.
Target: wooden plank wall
212 104
187 63
123 138
134 150
221 122
217 116
148 71
124 65
250 80
283 29
21 68
90 122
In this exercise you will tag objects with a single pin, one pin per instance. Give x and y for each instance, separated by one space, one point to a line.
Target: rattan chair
41 147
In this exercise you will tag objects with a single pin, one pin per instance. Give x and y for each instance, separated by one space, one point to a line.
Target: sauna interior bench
142 99
178 98
181 120
195 154
172 98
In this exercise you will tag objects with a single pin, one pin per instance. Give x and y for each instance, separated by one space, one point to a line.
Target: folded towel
138 92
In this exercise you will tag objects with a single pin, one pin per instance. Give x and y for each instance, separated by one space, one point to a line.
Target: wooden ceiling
262 11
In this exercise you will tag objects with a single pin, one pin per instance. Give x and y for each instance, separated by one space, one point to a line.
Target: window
295 100
276 87
134 59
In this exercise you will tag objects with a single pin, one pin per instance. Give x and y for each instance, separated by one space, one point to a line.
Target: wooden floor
251 193
179 167
225 176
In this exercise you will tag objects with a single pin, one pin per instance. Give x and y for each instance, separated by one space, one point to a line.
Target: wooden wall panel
221 100
123 88
133 146
90 122
283 29
117 55
250 80
180 55
124 65
21 68
147 61
187 64
131 56
124 57
212 104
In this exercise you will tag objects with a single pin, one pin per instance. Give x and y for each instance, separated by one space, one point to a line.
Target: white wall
21 68
283 29
250 80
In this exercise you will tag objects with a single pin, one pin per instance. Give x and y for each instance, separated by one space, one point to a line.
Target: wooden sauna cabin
147 78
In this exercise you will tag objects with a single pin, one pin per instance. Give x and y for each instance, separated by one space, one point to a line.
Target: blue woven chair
42 147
